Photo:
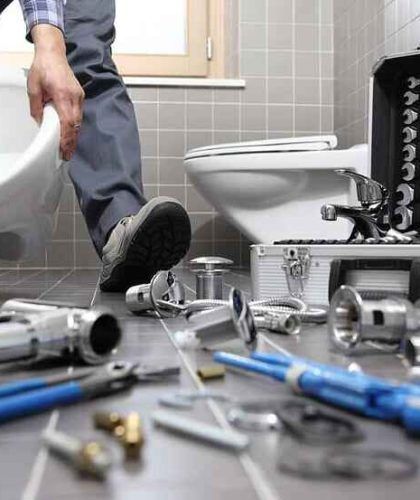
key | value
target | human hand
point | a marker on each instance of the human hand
(51, 79)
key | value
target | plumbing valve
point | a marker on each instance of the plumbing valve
(209, 272)
(221, 325)
(163, 291)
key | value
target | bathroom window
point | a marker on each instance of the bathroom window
(159, 38)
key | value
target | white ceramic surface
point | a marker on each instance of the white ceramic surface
(30, 171)
(274, 195)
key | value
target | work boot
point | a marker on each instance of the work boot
(155, 239)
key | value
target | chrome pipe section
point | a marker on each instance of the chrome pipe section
(31, 330)
(354, 322)
(222, 324)
(209, 272)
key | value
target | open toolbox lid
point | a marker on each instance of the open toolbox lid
(395, 135)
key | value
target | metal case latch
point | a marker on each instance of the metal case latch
(296, 266)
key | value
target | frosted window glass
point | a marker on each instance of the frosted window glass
(151, 27)
(143, 27)
(13, 30)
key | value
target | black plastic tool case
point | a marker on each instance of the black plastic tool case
(390, 82)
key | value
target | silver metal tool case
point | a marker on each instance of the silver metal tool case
(314, 269)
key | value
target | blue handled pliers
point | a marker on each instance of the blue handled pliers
(30, 396)
(371, 396)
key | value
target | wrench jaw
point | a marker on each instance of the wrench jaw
(409, 172)
(409, 134)
(410, 116)
(409, 152)
(413, 82)
(410, 98)
(404, 218)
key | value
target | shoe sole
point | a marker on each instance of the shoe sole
(161, 241)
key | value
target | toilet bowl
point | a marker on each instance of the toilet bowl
(30, 171)
(273, 190)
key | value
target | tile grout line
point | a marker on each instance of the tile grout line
(37, 472)
(261, 485)
(33, 485)
(95, 293)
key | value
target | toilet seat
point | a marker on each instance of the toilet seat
(311, 143)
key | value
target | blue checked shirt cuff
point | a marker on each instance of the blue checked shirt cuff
(42, 12)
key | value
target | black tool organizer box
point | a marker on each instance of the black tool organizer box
(391, 118)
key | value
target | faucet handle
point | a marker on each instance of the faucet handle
(369, 192)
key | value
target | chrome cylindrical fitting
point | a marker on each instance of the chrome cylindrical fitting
(163, 288)
(353, 322)
(209, 273)
(287, 324)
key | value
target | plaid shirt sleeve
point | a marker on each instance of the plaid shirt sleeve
(42, 12)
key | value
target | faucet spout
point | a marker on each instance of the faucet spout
(370, 218)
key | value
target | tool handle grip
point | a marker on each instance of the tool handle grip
(18, 386)
(37, 401)
(277, 372)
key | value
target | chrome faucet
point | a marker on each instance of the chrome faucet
(372, 218)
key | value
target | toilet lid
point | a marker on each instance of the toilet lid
(313, 143)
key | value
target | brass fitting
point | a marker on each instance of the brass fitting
(127, 430)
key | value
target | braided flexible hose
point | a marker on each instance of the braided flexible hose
(274, 305)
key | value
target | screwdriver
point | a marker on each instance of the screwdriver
(89, 457)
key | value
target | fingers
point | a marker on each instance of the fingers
(70, 110)
(36, 101)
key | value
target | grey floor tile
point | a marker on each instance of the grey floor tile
(173, 467)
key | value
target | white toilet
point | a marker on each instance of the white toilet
(30, 171)
(273, 190)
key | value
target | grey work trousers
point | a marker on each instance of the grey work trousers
(106, 168)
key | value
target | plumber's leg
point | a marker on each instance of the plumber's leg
(106, 168)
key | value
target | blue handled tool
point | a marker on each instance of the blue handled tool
(370, 396)
(27, 397)
(31, 384)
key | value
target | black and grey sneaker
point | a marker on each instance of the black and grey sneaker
(155, 239)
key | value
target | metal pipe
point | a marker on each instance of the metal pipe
(89, 334)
